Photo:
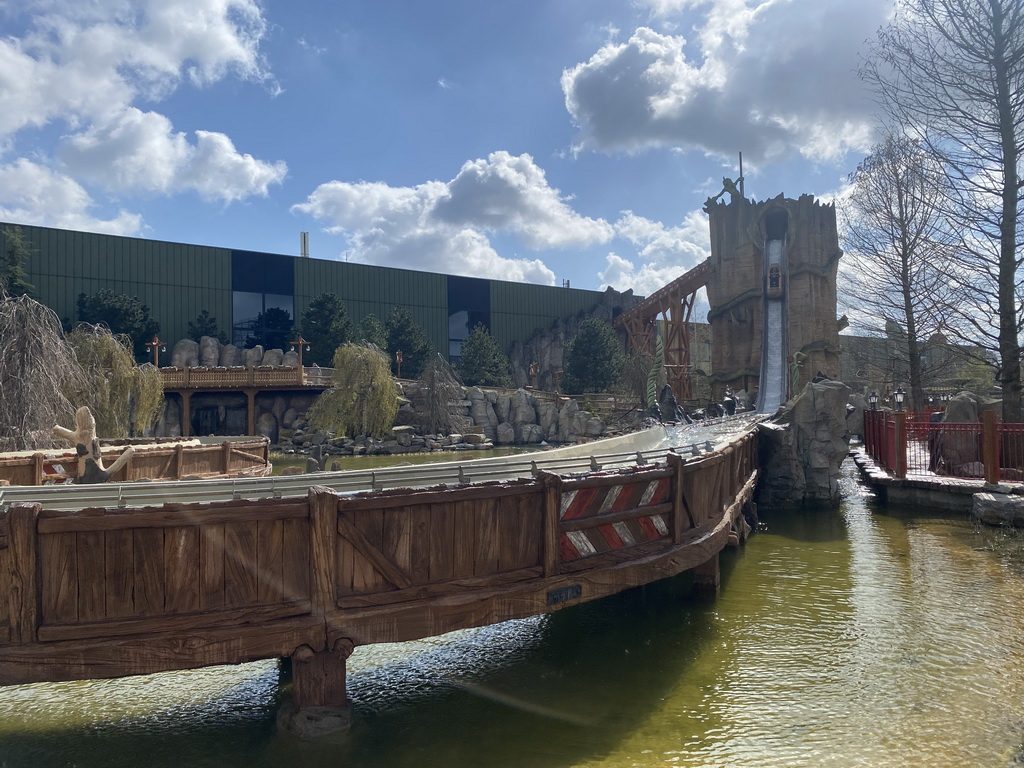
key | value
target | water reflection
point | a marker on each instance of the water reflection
(862, 637)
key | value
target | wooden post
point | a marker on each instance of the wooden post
(179, 460)
(323, 533)
(226, 455)
(319, 702)
(707, 577)
(901, 444)
(37, 463)
(22, 596)
(990, 446)
(552, 512)
(250, 411)
(186, 414)
(677, 462)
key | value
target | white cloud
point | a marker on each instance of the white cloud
(767, 77)
(86, 63)
(140, 152)
(444, 226)
(34, 194)
(664, 253)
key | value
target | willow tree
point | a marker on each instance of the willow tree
(121, 395)
(38, 368)
(443, 396)
(363, 398)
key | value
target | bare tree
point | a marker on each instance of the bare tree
(952, 72)
(896, 247)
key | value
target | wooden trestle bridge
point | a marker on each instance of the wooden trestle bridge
(113, 591)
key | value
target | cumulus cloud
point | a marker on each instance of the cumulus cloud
(444, 226)
(30, 192)
(664, 253)
(743, 83)
(85, 64)
(140, 151)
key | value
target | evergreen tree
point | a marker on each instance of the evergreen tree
(482, 361)
(206, 325)
(273, 329)
(594, 359)
(326, 326)
(372, 331)
(121, 314)
(13, 277)
(405, 334)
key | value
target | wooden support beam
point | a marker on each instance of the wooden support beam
(707, 577)
(22, 577)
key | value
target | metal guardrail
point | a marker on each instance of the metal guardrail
(454, 473)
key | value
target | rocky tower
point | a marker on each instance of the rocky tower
(737, 288)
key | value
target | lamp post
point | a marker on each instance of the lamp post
(298, 344)
(898, 397)
(156, 347)
(398, 363)
(873, 401)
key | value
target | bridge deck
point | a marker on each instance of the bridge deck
(112, 592)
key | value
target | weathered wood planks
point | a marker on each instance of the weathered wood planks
(115, 592)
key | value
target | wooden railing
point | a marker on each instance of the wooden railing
(173, 461)
(111, 592)
(247, 376)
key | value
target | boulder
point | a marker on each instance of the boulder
(230, 356)
(503, 408)
(253, 356)
(505, 434)
(209, 352)
(290, 359)
(529, 433)
(547, 416)
(266, 425)
(273, 357)
(804, 446)
(523, 411)
(185, 354)
(999, 509)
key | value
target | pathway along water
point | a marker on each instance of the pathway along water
(861, 637)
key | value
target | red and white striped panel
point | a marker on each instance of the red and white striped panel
(588, 502)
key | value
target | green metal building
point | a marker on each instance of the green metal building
(178, 281)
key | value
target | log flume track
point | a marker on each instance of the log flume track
(260, 569)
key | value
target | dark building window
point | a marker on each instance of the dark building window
(469, 303)
(263, 299)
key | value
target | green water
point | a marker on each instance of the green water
(860, 637)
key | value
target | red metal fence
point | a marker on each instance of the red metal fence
(912, 444)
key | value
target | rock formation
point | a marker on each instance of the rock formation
(803, 447)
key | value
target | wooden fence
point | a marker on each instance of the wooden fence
(105, 592)
(173, 461)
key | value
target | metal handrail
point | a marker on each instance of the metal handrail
(71, 497)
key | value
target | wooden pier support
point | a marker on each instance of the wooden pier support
(707, 577)
(319, 703)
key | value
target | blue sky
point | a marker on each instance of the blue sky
(532, 140)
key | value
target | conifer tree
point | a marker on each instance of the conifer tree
(405, 334)
(326, 326)
(482, 362)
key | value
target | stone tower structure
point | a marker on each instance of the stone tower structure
(799, 278)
